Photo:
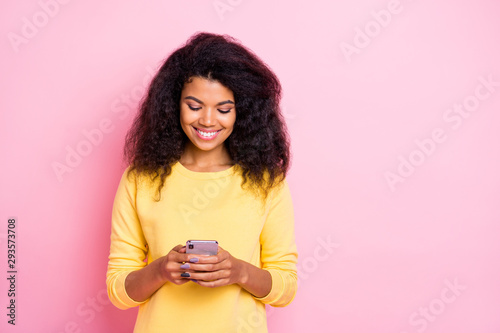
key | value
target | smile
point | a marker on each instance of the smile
(206, 135)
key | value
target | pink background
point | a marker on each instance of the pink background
(366, 84)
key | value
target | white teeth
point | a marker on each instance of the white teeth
(207, 134)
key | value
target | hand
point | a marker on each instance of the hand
(169, 267)
(215, 271)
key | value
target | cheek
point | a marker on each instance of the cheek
(185, 118)
(229, 122)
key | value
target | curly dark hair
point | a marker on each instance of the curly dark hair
(259, 143)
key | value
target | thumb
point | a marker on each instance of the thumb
(179, 248)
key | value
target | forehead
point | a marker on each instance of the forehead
(206, 90)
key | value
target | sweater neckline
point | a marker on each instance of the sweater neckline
(203, 175)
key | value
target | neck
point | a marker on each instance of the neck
(194, 156)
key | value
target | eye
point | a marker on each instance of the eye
(193, 108)
(224, 111)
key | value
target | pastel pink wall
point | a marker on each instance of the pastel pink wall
(396, 141)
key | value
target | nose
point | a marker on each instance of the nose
(207, 117)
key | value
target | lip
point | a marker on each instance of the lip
(208, 131)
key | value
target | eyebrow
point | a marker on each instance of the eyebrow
(198, 101)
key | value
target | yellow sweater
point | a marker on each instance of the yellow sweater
(201, 205)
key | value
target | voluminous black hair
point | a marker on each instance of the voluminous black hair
(259, 143)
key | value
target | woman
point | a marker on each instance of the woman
(208, 155)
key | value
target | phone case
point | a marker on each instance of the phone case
(204, 247)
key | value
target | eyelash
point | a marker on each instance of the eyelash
(196, 109)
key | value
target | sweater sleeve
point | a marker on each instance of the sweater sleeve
(278, 249)
(128, 246)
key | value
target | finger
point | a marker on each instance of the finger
(178, 254)
(222, 254)
(186, 267)
(213, 284)
(187, 276)
(204, 267)
(207, 276)
(177, 248)
(201, 259)
(181, 281)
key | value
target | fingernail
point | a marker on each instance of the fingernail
(185, 275)
(185, 266)
(193, 260)
(194, 280)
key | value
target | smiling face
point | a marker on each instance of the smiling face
(207, 113)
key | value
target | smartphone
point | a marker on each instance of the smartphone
(204, 247)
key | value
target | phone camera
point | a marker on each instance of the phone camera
(191, 246)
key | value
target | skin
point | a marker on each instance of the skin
(203, 105)
(206, 105)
